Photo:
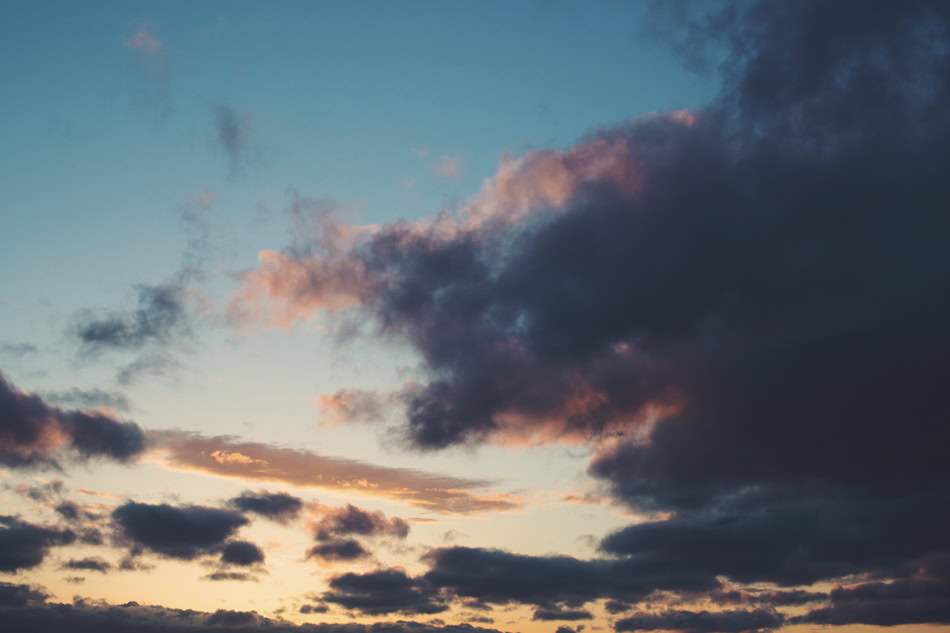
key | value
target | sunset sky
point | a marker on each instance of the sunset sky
(475, 317)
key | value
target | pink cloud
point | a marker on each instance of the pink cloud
(291, 287)
(227, 456)
(145, 42)
(450, 167)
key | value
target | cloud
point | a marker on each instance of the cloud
(646, 278)
(220, 576)
(740, 308)
(154, 67)
(101, 617)
(13, 595)
(501, 577)
(449, 167)
(241, 553)
(338, 550)
(24, 545)
(18, 350)
(229, 457)
(561, 614)
(904, 601)
(68, 510)
(185, 532)
(277, 506)
(88, 399)
(702, 621)
(791, 537)
(143, 40)
(233, 135)
(88, 564)
(350, 520)
(383, 591)
(352, 405)
(160, 313)
(34, 433)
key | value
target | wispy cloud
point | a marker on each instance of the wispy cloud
(228, 456)
(450, 167)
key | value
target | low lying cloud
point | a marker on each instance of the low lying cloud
(24, 608)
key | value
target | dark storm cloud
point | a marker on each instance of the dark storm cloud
(792, 537)
(12, 595)
(88, 564)
(500, 577)
(769, 289)
(24, 545)
(277, 506)
(185, 532)
(383, 591)
(88, 398)
(233, 136)
(350, 520)
(561, 614)
(702, 621)
(754, 329)
(913, 601)
(338, 550)
(241, 553)
(308, 609)
(34, 433)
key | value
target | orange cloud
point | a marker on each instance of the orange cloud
(227, 456)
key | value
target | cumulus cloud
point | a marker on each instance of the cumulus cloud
(331, 550)
(185, 532)
(241, 553)
(740, 308)
(349, 520)
(277, 506)
(34, 433)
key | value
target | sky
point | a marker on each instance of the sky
(475, 317)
